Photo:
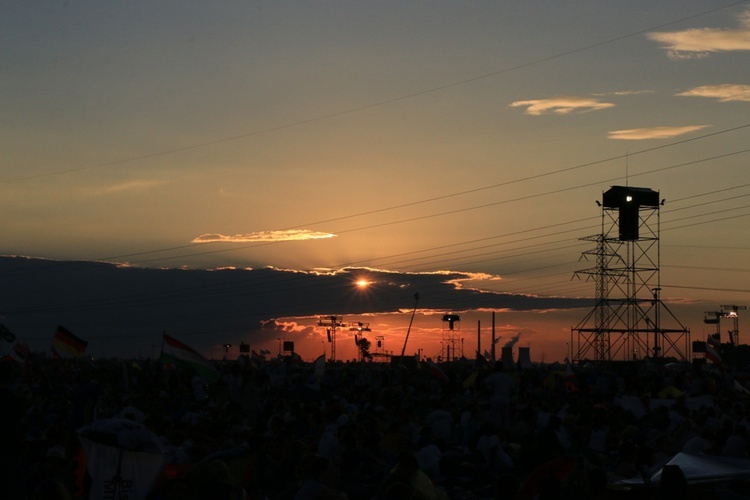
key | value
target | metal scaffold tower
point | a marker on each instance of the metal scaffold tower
(627, 321)
(452, 348)
(332, 323)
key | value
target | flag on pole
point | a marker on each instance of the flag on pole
(436, 371)
(6, 334)
(174, 351)
(257, 359)
(571, 380)
(471, 380)
(66, 342)
(19, 354)
(481, 361)
(713, 347)
(21, 351)
(319, 369)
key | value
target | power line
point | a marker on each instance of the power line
(460, 210)
(181, 294)
(442, 197)
(712, 289)
(376, 104)
(104, 303)
(707, 268)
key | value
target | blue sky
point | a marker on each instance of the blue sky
(399, 136)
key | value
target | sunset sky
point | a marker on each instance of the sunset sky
(456, 145)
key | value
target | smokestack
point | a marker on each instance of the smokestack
(524, 357)
(492, 345)
(479, 337)
(507, 357)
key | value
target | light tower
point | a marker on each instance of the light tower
(734, 333)
(362, 342)
(332, 323)
(451, 337)
(626, 321)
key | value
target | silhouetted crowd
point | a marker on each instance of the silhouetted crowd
(283, 429)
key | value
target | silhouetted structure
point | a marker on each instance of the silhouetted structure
(332, 323)
(524, 357)
(626, 321)
(730, 311)
(506, 358)
(452, 348)
(362, 342)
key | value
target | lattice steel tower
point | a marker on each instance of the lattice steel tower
(452, 348)
(627, 319)
(332, 324)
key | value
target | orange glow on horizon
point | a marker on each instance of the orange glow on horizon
(547, 335)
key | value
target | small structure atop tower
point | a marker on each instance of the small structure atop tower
(629, 201)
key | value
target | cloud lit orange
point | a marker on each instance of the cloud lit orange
(637, 134)
(561, 105)
(263, 236)
(725, 92)
(700, 42)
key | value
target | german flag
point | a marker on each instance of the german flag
(67, 342)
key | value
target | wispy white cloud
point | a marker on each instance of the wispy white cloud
(625, 92)
(700, 42)
(725, 93)
(638, 134)
(263, 236)
(128, 186)
(561, 105)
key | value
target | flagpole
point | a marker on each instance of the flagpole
(479, 336)
(416, 299)
(164, 334)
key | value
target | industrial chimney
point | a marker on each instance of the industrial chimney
(507, 357)
(524, 357)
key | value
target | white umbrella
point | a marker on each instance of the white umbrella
(701, 469)
(124, 458)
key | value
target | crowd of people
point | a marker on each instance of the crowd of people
(288, 430)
